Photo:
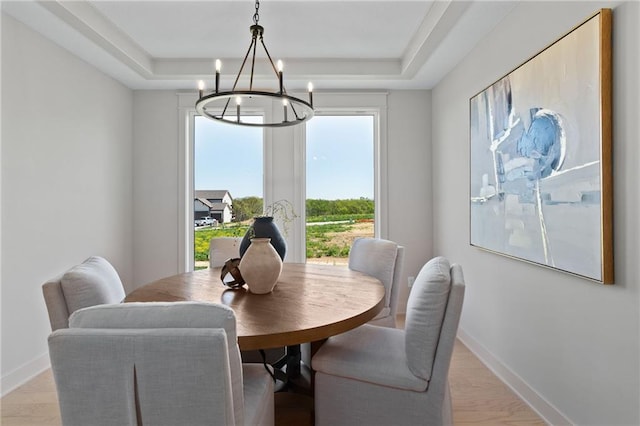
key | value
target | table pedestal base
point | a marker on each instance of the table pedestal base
(291, 373)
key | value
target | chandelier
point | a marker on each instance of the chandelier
(226, 106)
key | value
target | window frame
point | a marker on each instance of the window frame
(186, 168)
(327, 103)
(347, 112)
(353, 104)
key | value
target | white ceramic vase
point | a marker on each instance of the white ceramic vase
(260, 266)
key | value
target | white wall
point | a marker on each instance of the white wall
(568, 345)
(155, 185)
(409, 180)
(157, 179)
(66, 183)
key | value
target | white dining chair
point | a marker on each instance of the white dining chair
(93, 282)
(223, 248)
(384, 260)
(384, 376)
(157, 363)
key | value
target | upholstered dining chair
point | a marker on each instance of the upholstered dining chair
(382, 376)
(157, 363)
(384, 260)
(223, 248)
(93, 282)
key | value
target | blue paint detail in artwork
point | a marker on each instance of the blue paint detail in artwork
(500, 170)
(543, 143)
(591, 197)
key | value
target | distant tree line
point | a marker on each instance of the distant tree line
(247, 207)
(339, 207)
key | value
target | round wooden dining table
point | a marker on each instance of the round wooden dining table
(309, 303)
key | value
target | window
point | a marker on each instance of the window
(340, 185)
(227, 180)
(282, 166)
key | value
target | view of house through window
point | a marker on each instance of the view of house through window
(227, 193)
(340, 185)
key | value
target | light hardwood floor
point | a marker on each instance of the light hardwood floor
(479, 398)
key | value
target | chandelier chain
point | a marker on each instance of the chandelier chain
(256, 16)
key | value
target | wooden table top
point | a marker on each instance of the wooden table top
(309, 303)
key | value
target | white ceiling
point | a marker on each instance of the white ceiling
(349, 44)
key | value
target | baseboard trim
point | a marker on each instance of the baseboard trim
(550, 414)
(24, 373)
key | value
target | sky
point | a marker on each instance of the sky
(218, 146)
(339, 163)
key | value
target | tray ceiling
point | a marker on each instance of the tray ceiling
(350, 44)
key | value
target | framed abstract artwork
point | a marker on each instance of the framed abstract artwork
(541, 181)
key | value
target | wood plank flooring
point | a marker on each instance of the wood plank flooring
(479, 399)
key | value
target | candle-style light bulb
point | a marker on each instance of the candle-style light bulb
(310, 88)
(280, 68)
(218, 68)
(238, 102)
(284, 108)
(200, 88)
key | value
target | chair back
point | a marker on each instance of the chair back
(223, 248)
(398, 271)
(439, 383)
(93, 282)
(433, 314)
(378, 258)
(154, 315)
(134, 377)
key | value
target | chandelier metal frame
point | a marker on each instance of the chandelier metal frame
(301, 110)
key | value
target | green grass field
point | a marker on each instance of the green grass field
(326, 240)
